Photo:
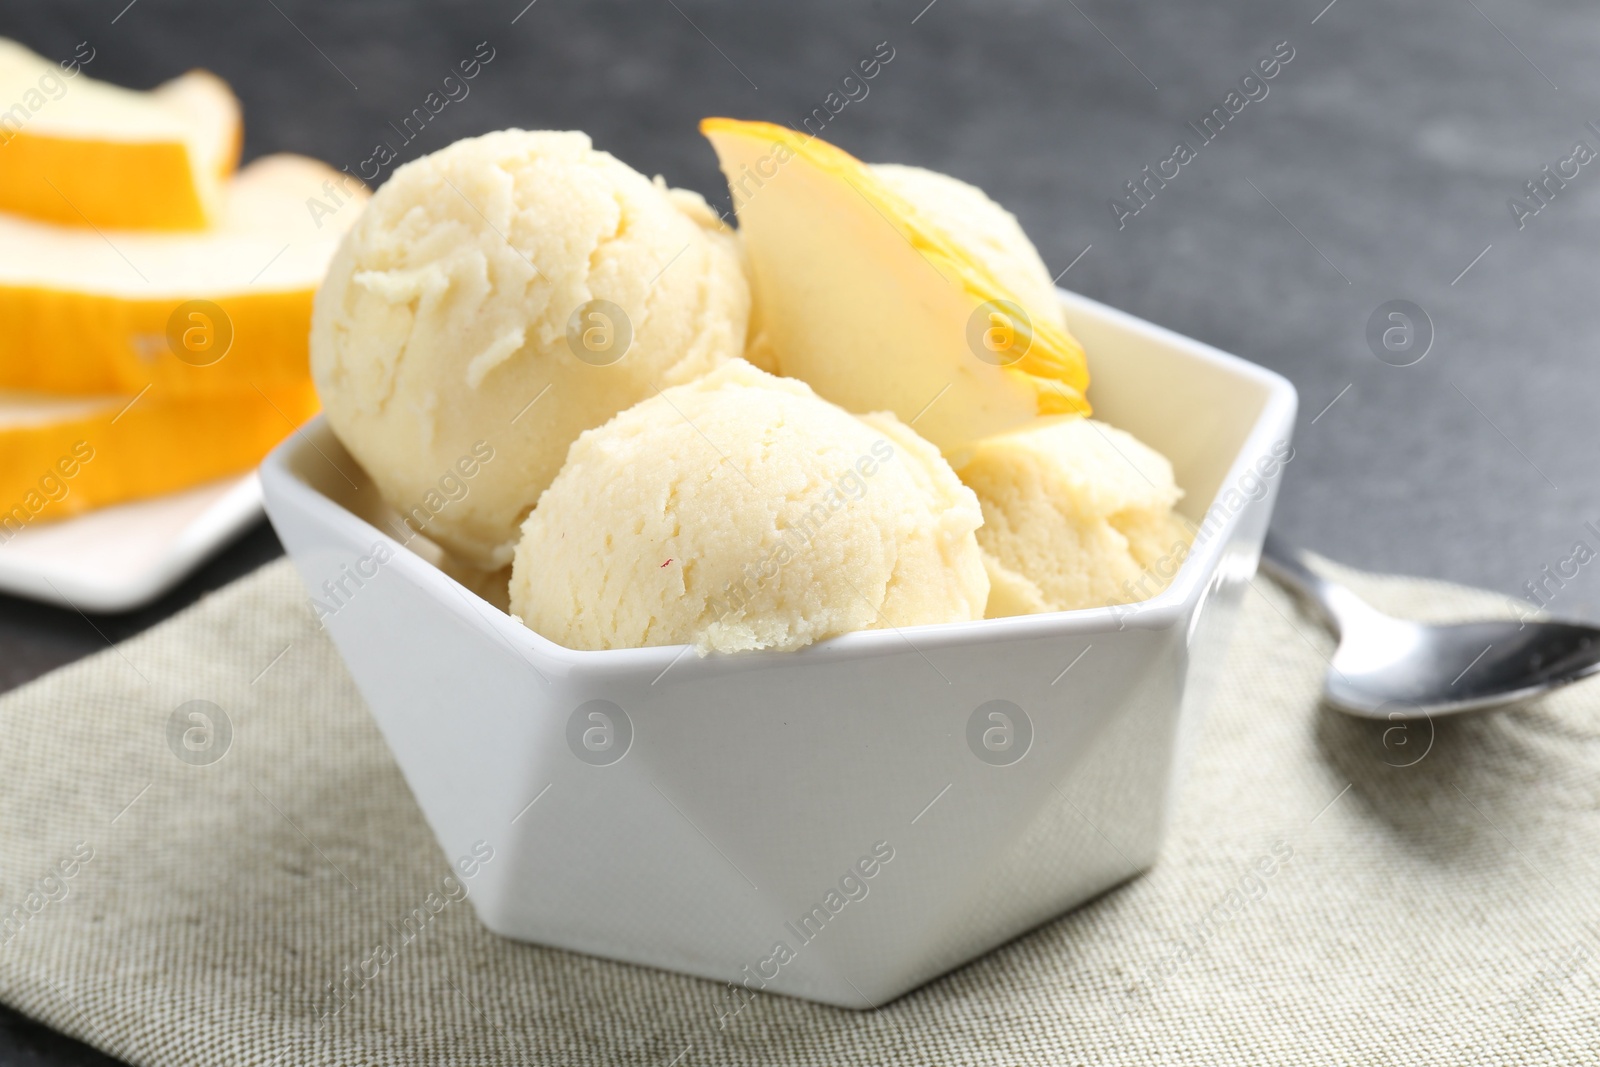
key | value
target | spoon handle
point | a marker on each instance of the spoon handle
(1286, 564)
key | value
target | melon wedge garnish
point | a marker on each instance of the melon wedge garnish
(81, 152)
(61, 456)
(89, 311)
(866, 299)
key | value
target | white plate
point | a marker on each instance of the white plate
(123, 557)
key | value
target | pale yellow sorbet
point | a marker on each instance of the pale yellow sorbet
(442, 330)
(742, 512)
(1077, 514)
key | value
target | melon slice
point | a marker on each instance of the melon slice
(875, 306)
(78, 151)
(89, 312)
(62, 456)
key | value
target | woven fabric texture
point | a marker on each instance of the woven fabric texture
(1432, 894)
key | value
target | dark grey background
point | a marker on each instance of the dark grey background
(1382, 160)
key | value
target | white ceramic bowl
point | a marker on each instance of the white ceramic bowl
(841, 823)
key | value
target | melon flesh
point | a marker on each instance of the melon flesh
(870, 303)
(87, 311)
(62, 456)
(82, 152)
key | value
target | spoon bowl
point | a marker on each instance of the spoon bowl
(1388, 668)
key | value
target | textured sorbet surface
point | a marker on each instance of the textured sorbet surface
(1077, 514)
(740, 511)
(441, 332)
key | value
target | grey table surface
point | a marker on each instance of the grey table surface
(1379, 166)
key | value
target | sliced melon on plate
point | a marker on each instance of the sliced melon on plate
(877, 307)
(84, 152)
(61, 456)
(112, 311)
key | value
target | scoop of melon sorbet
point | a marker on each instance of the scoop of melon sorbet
(1077, 514)
(496, 299)
(741, 511)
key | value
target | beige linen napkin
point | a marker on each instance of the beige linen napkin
(1331, 891)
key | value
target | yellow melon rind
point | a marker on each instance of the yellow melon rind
(106, 344)
(139, 448)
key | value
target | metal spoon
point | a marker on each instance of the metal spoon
(1388, 668)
